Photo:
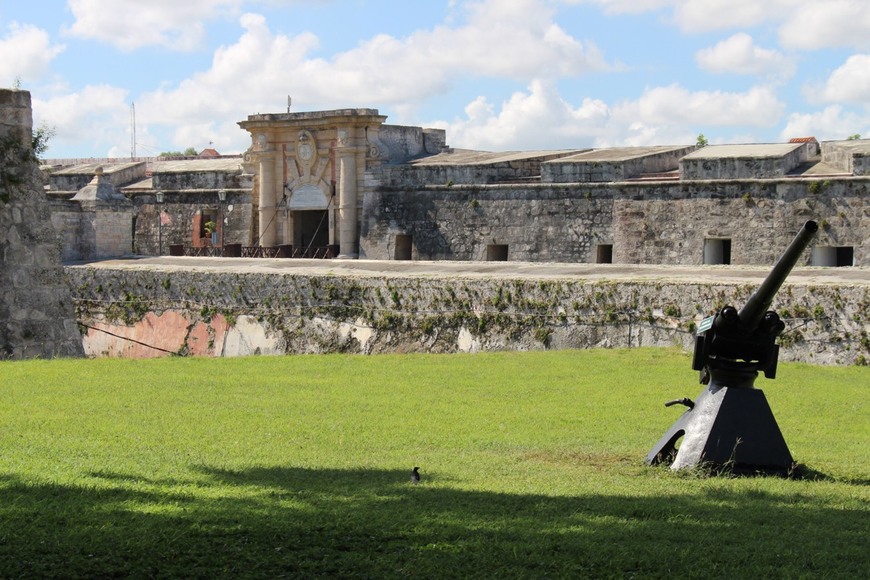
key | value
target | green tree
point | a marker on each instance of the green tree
(702, 141)
(854, 137)
(41, 136)
(189, 152)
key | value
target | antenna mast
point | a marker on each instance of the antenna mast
(132, 130)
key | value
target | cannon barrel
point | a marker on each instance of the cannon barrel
(758, 304)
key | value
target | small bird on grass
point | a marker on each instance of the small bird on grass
(415, 476)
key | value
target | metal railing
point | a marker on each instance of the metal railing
(239, 251)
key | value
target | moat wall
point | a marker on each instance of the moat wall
(212, 313)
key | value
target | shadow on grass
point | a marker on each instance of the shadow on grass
(807, 473)
(374, 523)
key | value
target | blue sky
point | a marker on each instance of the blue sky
(496, 74)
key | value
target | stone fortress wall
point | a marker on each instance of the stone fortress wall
(36, 310)
(644, 205)
(667, 223)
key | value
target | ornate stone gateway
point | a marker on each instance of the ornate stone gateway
(311, 176)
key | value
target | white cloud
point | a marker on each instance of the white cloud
(829, 124)
(537, 119)
(506, 40)
(704, 15)
(833, 23)
(541, 118)
(803, 24)
(851, 82)
(675, 115)
(132, 24)
(694, 16)
(517, 40)
(253, 75)
(26, 53)
(758, 107)
(739, 54)
(100, 112)
(626, 6)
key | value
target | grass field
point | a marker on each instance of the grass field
(532, 467)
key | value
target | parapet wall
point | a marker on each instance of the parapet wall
(500, 172)
(404, 143)
(36, 310)
(185, 179)
(842, 155)
(728, 162)
(595, 166)
(215, 313)
(72, 180)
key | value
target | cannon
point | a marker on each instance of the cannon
(730, 425)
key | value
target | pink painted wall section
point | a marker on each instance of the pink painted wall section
(155, 336)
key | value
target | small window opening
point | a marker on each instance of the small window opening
(133, 237)
(717, 251)
(403, 247)
(604, 254)
(496, 253)
(833, 256)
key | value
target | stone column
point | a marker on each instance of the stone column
(16, 118)
(268, 227)
(288, 227)
(333, 235)
(347, 197)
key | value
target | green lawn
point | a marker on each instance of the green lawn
(299, 466)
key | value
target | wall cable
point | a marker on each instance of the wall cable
(127, 338)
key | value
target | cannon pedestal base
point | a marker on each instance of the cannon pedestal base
(731, 427)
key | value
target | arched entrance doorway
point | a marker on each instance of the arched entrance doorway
(310, 224)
